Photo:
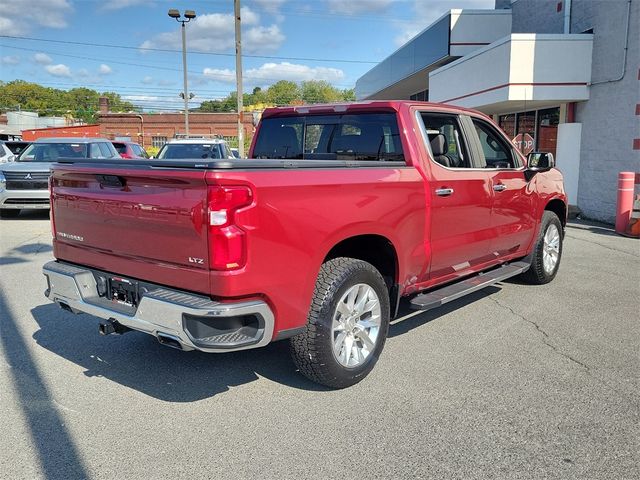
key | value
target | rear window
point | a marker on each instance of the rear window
(367, 136)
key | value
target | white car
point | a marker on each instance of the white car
(195, 148)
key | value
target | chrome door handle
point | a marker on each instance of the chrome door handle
(444, 192)
(499, 187)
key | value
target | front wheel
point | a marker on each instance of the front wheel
(347, 324)
(547, 251)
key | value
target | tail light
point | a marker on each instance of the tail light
(227, 241)
(53, 226)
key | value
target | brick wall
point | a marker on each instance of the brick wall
(169, 124)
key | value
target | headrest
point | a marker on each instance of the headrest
(439, 145)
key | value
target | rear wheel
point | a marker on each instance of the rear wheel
(547, 251)
(9, 213)
(347, 324)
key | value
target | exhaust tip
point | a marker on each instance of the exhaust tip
(169, 341)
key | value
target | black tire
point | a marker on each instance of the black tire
(537, 274)
(312, 350)
(9, 213)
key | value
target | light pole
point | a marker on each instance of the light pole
(236, 8)
(188, 16)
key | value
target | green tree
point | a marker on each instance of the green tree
(283, 92)
(319, 91)
(80, 103)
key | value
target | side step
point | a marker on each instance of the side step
(435, 298)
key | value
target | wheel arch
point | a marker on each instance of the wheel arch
(559, 207)
(377, 250)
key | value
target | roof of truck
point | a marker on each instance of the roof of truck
(360, 106)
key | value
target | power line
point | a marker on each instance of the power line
(117, 62)
(150, 49)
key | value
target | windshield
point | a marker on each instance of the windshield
(51, 152)
(191, 150)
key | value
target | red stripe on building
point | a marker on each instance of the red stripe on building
(636, 143)
(468, 43)
(504, 85)
(637, 108)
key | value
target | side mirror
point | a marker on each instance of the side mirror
(540, 161)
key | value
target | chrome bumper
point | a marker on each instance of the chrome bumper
(24, 199)
(162, 312)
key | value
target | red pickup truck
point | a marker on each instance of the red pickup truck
(341, 211)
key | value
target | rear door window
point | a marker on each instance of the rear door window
(367, 136)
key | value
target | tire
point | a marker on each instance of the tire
(7, 213)
(334, 323)
(540, 272)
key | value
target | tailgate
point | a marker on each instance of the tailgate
(143, 222)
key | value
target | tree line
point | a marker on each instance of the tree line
(283, 92)
(78, 103)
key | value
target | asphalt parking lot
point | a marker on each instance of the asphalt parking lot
(512, 382)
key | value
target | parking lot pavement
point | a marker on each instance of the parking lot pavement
(513, 382)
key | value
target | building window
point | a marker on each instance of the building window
(422, 96)
(158, 142)
(542, 125)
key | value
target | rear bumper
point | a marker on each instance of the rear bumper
(24, 199)
(195, 322)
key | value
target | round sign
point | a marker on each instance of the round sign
(524, 143)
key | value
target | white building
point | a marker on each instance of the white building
(564, 72)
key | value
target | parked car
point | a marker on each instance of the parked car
(24, 183)
(235, 152)
(6, 155)
(343, 211)
(192, 148)
(130, 150)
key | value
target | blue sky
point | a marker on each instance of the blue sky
(288, 39)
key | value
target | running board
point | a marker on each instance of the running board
(435, 298)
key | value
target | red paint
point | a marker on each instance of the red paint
(637, 108)
(559, 7)
(571, 112)
(149, 228)
(626, 182)
(636, 143)
(70, 131)
(504, 85)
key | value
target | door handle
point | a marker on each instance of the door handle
(500, 187)
(444, 192)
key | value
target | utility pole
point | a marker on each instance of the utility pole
(236, 6)
(188, 16)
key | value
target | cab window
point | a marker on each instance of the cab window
(495, 150)
(446, 140)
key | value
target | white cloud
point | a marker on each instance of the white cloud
(270, 73)
(141, 98)
(104, 69)
(120, 4)
(10, 60)
(59, 70)
(215, 32)
(148, 80)
(42, 59)
(423, 17)
(19, 17)
(352, 7)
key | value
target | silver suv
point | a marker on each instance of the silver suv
(24, 183)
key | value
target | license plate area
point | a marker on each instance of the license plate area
(123, 291)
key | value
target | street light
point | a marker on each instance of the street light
(188, 16)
